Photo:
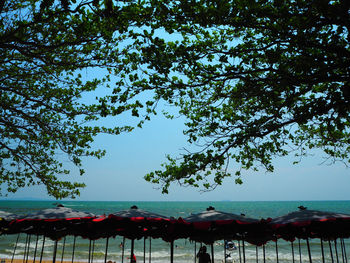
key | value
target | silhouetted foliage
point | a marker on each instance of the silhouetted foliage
(44, 46)
(254, 80)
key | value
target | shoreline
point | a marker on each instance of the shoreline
(9, 260)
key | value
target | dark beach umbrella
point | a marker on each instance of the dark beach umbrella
(59, 213)
(5, 227)
(5, 220)
(307, 224)
(136, 223)
(310, 224)
(211, 225)
(136, 214)
(54, 223)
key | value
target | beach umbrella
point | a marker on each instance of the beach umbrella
(135, 223)
(59, 213)
(311, 223)
(307, 224)
(5, 227)
(5, 220)
(54, 223)
(211, 225)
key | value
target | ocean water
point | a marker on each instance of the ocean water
(157, 250)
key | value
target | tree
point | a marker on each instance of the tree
(44, 47)
(255, 80)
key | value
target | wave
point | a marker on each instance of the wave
(181, 254)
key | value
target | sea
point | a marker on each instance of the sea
(157, 250)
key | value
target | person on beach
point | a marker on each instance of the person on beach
(132, 259)
(203, 256)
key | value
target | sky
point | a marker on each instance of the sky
(119, 175)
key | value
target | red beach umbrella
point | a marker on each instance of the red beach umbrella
(136, 214)
(54, 222)
(5, 219)
(211, 225)
(135, 223)
(59, 213)
(312, 223)
(307, 224)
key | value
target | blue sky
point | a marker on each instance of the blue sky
(119, 175)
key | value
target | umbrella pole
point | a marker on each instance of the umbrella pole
(150, 241)
(346, 258)
(73, 248)
(299, 250)
(308, 250)
(106, 249)
(93, 251)
(195, 251)
(63, 246)
(264, 253)
(14, 250)
(171, 251)
(42, 249)
(243, 249)
(336, 250)
(123, 249)
(239, 251)
(132, 250)
(30, 236)
(144, 250)
(36, 247)
(342, 249)
(256, 254)
(89, 251)
(54, 252)
(224, 251)
(276, 251)
(322, 250)
(212, 252)
(25, 248)
(330, 250)
(292, 245)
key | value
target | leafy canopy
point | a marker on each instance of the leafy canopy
(255, 80)
(44, 46)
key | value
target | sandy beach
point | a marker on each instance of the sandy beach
(8, 260)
